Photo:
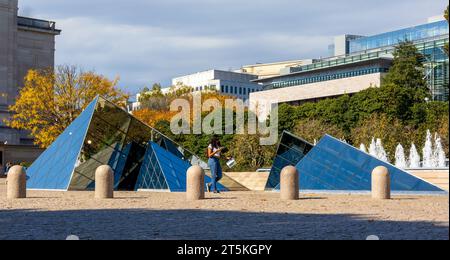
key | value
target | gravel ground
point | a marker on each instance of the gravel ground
(234, 215)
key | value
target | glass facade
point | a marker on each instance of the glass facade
(325, 76)
(105, 134)
(429, 39)
(291, 150)
(436, 65)
(333, 165)
(416, 33)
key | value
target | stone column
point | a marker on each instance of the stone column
(195, 183)
(381, 183)
(289, 184)
(17, 183)
(104, 182)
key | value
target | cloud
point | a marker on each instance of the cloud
(147, 41)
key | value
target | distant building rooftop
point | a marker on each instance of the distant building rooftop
(33, 23)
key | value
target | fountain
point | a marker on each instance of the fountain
(363, 148)
(376, 149)
(439, 153)
(373, 148)
(414, 157)
(434, 156)
(400, 158)
(428, 153)
(382, 155)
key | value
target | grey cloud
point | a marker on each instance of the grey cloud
(147, 41)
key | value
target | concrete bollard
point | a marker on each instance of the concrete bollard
(104, 182)
(16, 187)
(195, 184)
(381, 183)
(289, 184)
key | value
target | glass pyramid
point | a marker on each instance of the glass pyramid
(290, 151)
(104, 134)
(54, 168)
(333, 165)
(164, 170)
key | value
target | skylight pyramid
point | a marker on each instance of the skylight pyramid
(54, 168)
(106, 134)
(164, 170)
(333, 165)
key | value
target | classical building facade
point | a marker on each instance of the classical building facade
(25, 43)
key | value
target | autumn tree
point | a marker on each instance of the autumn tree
(313, 130)
(249, 154)
(51, 99)
(390, 131)
(152, 117)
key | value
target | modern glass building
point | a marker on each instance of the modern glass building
(414, 34)
(333, 165)
(364, 61)
(104, 134)
(337, 69)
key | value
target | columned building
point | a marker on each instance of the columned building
(25, 43)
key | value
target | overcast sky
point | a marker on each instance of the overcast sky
(147, 41)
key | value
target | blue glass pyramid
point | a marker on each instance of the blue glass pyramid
(164, 170)
(105, 134)
(333, 165)
(291, 150)
(54, 168)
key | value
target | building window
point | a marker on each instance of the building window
(222, 88)
(245, 91)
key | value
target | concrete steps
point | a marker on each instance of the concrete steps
(439, 178)
(254, 181)
(229, 183)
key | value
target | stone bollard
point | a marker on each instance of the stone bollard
(195, 184)
(16, 187)
(381, 183)
(289, 184)
(104, 182)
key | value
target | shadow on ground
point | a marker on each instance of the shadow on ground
(204, 225)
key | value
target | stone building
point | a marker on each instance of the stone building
(25, 43)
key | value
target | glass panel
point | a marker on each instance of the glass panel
(290, 151)
(53, 169)
(336, 166)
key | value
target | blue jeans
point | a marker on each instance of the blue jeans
(216, 172)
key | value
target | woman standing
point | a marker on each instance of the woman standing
(214, 155)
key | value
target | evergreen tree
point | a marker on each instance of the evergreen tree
(405, 84)
(407, 70)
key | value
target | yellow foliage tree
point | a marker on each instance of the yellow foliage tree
(152, 117)
(51, 100)
(156, 107)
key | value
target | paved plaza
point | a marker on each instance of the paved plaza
(233, 215)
